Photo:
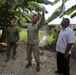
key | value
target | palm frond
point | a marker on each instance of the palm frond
(54, 15)
(69, 11)
(56, 1)
(73, 15)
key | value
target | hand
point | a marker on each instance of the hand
(17, 42)
(65, 56)
(43, 10)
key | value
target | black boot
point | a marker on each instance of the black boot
(28, 65)
(38, 67)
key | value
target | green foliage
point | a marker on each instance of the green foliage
(56, 1)
(20, 1)
(23, 35)
(50, 39)
(70, 11)
(73, 15)
(25, 3)
(47, 2)
(53, 36)
(35, 6)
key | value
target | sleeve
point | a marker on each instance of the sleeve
(71, 37)
(22, 25)
(41, 23)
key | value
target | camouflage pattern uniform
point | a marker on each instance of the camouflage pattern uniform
(12, 38)
(33, 40)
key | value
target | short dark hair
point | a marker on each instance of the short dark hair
(66, 20)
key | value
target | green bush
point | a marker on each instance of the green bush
(52, 38)
(23, 35)
(49, 39)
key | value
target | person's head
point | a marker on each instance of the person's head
(35, 18)
(65, 22)
(12, 22)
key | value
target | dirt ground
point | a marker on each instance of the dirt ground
(17, 67)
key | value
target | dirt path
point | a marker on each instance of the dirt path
(17, 67)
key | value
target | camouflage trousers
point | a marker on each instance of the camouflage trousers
(10, 46)
(35, 49)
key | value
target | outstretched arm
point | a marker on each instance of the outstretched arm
(22, 25)
(42, 21)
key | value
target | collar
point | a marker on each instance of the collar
(66, 28)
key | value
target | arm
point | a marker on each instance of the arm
(42, 19)
(69, 46)
(41, 22)
(22, 25)
(70, 42)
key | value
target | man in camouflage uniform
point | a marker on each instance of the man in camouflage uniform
(33, 40)
(12, 39)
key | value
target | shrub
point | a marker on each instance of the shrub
(52, 38)
(23, 35)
